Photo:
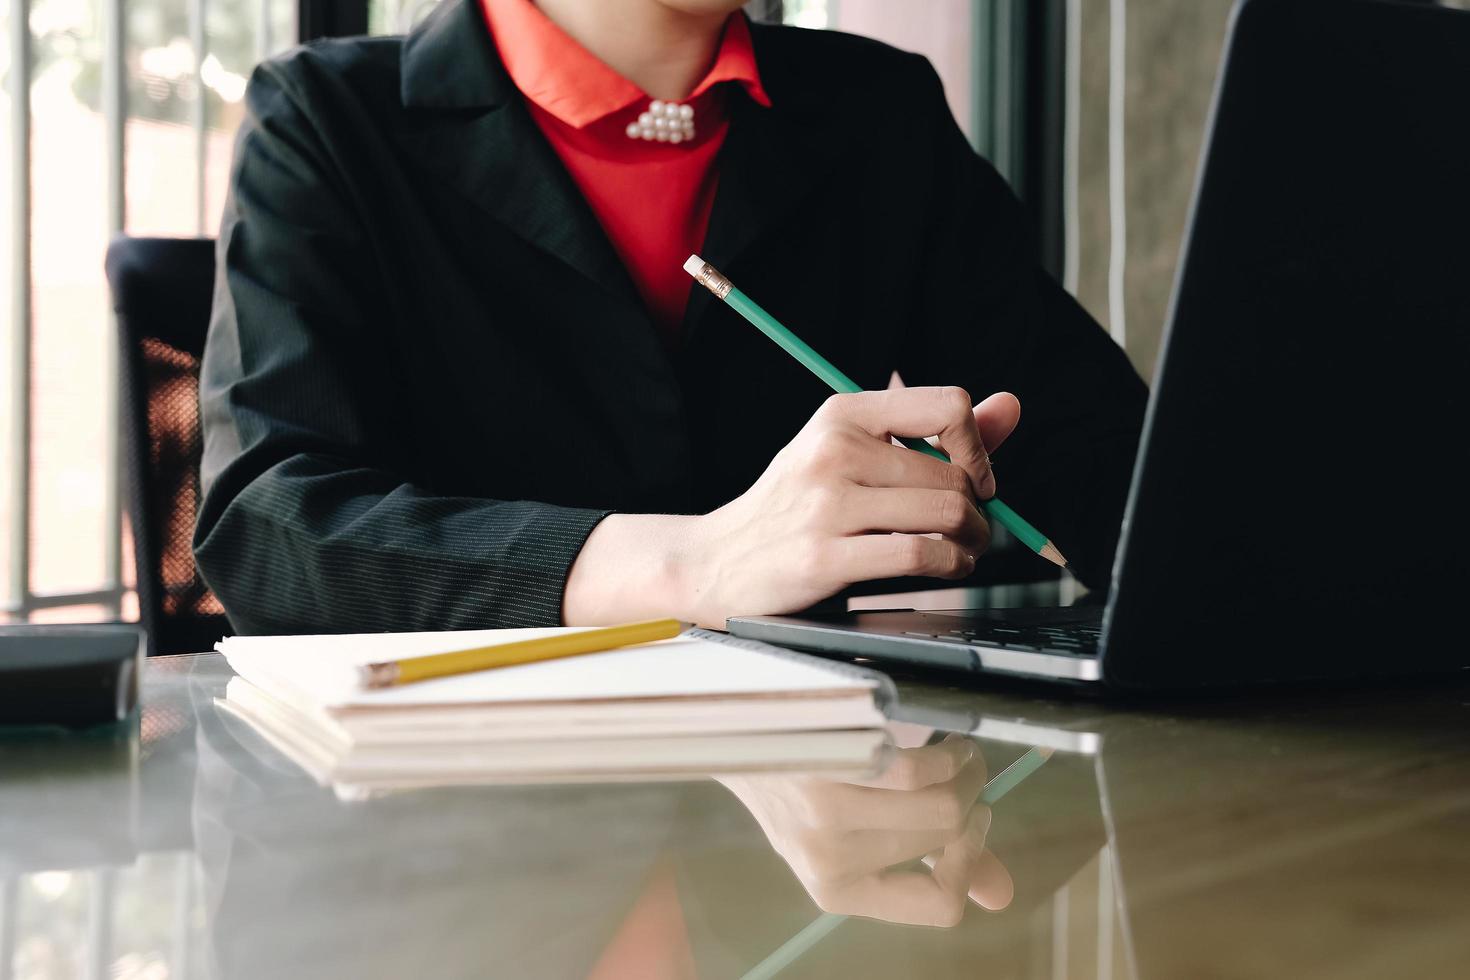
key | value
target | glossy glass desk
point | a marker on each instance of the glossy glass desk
(1290, 835)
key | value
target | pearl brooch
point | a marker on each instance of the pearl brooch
(664, 122)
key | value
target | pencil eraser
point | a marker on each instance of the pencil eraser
(694, 265)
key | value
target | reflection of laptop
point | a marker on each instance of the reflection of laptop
(1293, 513)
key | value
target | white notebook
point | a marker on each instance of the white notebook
(696, 681)
(367, 770)
(700, 702)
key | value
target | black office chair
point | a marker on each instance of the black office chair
(161, 291)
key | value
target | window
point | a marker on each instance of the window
(397, 16)
(1140, 76)
(128, 126)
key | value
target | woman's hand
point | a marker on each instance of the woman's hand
(852, 845)
(842, 504)
(839, 504)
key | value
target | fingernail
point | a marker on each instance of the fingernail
(967, 746)
(987, 485)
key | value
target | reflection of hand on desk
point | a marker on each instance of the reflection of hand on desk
(847, 842)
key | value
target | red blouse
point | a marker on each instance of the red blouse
(653, 199)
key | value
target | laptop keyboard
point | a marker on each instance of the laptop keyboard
(1074, 639)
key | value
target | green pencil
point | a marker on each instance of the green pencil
(1011, 776)
(709, 277)
(788, 952)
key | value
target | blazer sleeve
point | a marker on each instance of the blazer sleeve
(993, 320)
(311, 519)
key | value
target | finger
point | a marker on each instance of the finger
(970, 781)
(878, 463)
(972, 840)
(909, 734)
(913, 511)
(944, 807)
(920, 412)
(991, 886)
(876, 556)
(915, 768)
(863, 852)
(957, 866)
(913, 898)
(977, 827)
(995, 419)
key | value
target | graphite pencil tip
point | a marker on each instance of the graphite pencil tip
(1050, 553)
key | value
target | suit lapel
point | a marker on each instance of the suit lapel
(479, 138)
(466, 123)
(770, 163)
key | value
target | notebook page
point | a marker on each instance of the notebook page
(321, 669)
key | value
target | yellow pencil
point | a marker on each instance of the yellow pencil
(393, 672)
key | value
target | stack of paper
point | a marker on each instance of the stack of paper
(699, 703)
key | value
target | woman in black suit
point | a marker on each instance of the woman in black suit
(452, 380)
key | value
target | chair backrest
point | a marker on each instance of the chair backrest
(161, 291)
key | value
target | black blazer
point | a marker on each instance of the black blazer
(428, 376)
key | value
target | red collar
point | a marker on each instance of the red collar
(569, 82)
